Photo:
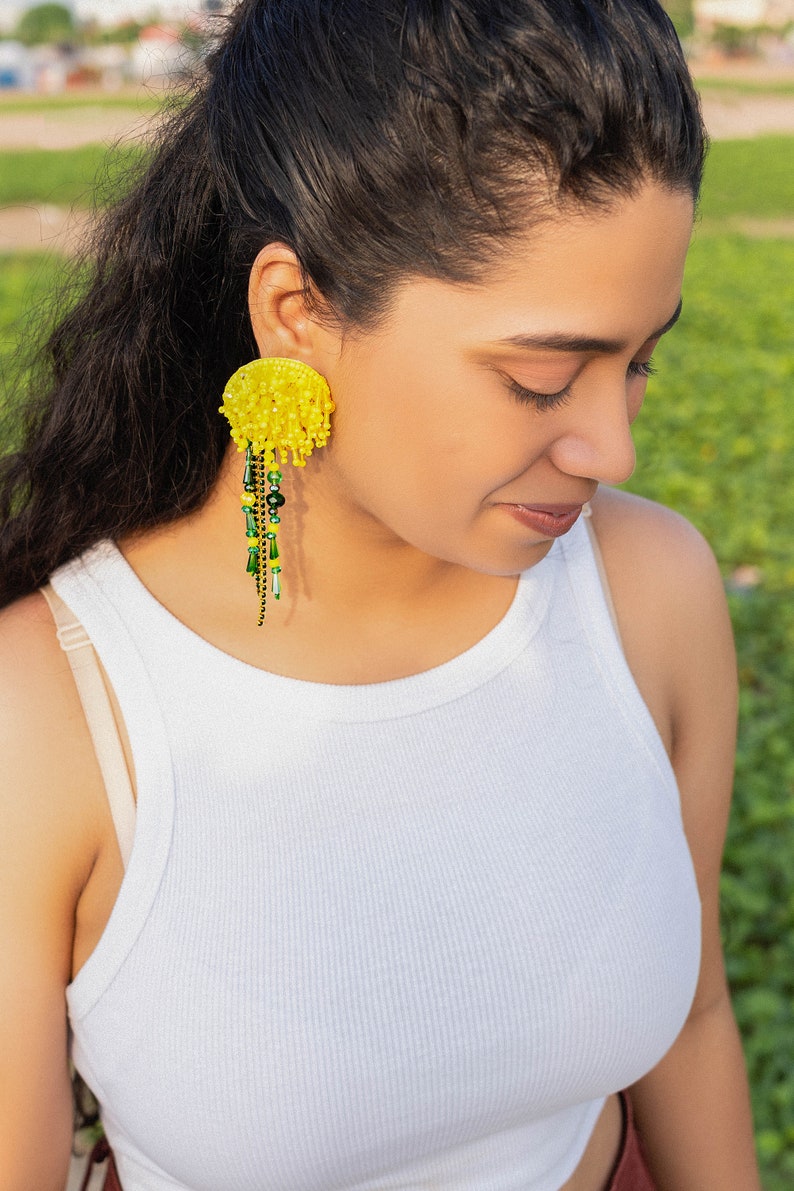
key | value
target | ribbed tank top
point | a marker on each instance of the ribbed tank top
(402, 935)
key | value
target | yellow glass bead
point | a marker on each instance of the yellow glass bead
(248, 500)
(278, 404)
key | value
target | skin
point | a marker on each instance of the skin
(399, 553)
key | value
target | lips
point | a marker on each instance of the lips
(550, 520)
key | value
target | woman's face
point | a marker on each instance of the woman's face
(471, 403)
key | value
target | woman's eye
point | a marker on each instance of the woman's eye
(540, 400)
(642, 368)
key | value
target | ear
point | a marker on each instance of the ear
(280, 318)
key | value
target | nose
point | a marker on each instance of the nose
(595, 440)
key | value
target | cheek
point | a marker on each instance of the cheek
(400, 453)
(425, 429)
(423, 440)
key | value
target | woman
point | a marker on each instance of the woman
(425, 868)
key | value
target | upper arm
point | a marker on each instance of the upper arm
(704, 745)
(674, 621)
(47, 848)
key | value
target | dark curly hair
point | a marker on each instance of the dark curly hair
(378, 139)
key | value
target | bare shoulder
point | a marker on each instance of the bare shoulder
(34, 690)
(44, 745)
(657, 562)
(670, 604)
(48, 844)
(656, 543)
(29, 651)
(39, 706)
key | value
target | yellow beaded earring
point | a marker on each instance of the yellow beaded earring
(273, 405)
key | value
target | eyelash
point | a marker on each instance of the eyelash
(544, 401)
(642, 368)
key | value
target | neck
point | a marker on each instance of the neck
(358, 604)
(335, 555)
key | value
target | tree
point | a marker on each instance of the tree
(46, 23)
(681, 13)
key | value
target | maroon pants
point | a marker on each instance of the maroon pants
(630, 1173)
(100, 1152)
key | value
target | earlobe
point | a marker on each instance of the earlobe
(277, 304)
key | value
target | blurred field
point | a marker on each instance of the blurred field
(139, 99)
(741, 87)
(751, 178)
(27, 281)
(65, 177)
(716, 441)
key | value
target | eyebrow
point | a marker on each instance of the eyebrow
(560, 341)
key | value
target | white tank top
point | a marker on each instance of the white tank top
(404, 935)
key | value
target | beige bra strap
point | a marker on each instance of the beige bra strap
(602, 572)
(99, 716)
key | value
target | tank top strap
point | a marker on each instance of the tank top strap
(598, 558)
(100, 718)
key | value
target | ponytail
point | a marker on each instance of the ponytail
(128, 436)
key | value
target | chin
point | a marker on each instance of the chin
(501, 564)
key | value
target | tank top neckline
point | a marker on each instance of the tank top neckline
(150, 620)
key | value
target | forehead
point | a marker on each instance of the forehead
(612, 274)
(649, 229)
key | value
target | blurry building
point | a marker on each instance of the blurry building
(159, 54)
(168, 12)
(16, 66)
(743, 14)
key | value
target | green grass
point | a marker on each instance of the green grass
(741, 87)
(65, 176)
(753, 178)
(716, 441)
(139, 101)
(26, 282)
(757, 884)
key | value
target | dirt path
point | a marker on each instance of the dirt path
(736, 115)
(727, 114)
(32, 227)
(71, 127)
